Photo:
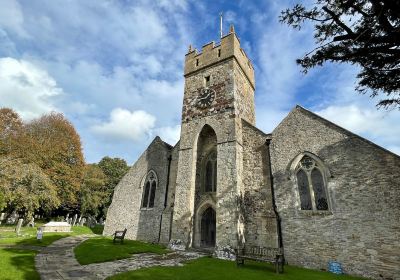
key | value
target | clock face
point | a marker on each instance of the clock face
(205, 98)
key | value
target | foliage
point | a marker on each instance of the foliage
(114, 169)
(210, 269)
(103, 249)
(55, 146)
(10, 126)
(93, 190)
(25, 188)
(361, 32)
(18, 264)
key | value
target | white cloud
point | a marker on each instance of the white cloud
(125, 125)
(26, 88)
(378, 126)
(169, 134)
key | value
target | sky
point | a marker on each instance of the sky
(115, 69)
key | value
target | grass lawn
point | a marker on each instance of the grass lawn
(17, 264)
(102, 249)
(20, 263)
(28, 235)
(215, 269)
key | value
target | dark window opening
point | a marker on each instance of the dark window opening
(317, 181)
(207, 81)
(304, 191)
(197, 62)
(152, 194)
(146, 195)
(219, 53)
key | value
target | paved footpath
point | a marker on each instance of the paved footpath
(57, 261)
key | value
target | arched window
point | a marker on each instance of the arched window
(210, 178)
(149, 190)
(311, 185)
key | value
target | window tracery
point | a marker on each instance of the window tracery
(149, 190)
(210, 178)
(311, 185)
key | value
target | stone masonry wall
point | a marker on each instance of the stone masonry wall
(362, 227)
(125, 210)
(260, 219)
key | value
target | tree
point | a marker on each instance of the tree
(25, 188)
(10, 127)
(361, 32)
(93, 194)
(114, 169)
(52, 143)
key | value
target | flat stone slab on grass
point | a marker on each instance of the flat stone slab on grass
(56, 227)
(57, 261)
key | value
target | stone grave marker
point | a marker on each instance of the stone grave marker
(74, 220)
(83, 220)
(31, 223)
(18, 228)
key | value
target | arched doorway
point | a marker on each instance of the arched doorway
(208, 228)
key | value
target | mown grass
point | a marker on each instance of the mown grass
(17, 263)
(28, 235)
(96, 250)
(215, 269)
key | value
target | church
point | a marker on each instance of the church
(315, 189)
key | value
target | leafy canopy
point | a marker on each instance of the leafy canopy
(361, 32)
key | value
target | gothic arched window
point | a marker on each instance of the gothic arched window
(311, 185)
(210, 178)
(149, 190)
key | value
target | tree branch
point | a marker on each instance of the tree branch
(338, 21)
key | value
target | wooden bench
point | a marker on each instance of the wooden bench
(261, 254)
(119, 235)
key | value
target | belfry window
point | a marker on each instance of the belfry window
(311, 185)
(210, 178)
(149, 190)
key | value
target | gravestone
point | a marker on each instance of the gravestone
(67, 218)
(2, 217)
(74, 220)
(83, 220)
(18, 228)
(31, 223)
(12, 219)
(70, 221)
(79, 220)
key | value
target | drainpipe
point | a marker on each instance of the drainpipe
(166, 196)
(278, 219)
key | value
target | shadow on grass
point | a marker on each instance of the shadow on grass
(18, 264)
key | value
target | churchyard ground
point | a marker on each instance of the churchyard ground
(17, 253)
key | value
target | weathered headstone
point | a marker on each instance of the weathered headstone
(70, 221)
(74, 220)
(2, 217)
(31, 223)
(18, 228)
(83, 220)
(67, 218)
(101, 222)
(79, 219)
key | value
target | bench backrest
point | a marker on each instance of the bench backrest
(120, 234)
(262, 251)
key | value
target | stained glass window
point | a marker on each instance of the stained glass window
(311, 185)
(304, 190)
(317, 180)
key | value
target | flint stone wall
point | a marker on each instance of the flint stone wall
(125, 210)
(361, 230)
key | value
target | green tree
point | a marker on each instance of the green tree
(93, 194)
(114, 169)
(10, 128)
(25, 188)
(53, 144)
(361, 32)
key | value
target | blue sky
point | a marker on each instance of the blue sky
(115, 69)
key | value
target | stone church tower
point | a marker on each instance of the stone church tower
(310, 187)
(218, 95)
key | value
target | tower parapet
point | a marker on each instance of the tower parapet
(212, 54)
